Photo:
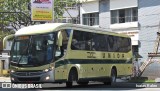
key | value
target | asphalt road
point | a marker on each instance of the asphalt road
(121, 85)
(92, 86)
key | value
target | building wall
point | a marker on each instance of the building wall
(149, 18)
(104, 8)
(119, 4)
(88, 7)
(104, 14)
(129, 28)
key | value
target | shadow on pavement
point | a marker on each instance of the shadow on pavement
(117, 86)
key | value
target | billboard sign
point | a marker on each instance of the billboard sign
(42, 10)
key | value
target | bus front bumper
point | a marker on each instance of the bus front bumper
(29, 77)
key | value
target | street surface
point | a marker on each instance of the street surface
(121, 85)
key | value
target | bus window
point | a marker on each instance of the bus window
(62, 42)
(125, 45)
(66, 35)
(100, 42)
(68, 32)
(82, 40)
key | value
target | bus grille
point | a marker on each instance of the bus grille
(29, 73)
(21, 73)
(35, 73)
(29, 79)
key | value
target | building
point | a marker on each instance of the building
(89, 12)
(70, 14)
(148, 19)
(137, 18)
(113, 15)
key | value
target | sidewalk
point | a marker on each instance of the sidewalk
(5, 79)
(157, 80)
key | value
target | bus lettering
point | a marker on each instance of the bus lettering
(118, 55)
(91, 55)
(103, 55)
(113, 55)
(109, 55)
(122, 55)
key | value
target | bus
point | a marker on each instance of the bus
(67, 53)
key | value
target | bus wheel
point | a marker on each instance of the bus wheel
(72, 77)
(83, 83)
(107, 83)
(113, 76)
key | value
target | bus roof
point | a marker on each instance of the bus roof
(38, 29)
(52, 27)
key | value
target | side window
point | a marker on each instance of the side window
(89, 41)
(81, 40)
(62, 42)
(119, 44)
(66, 35)
(111, 41)
(125, 45)
(100, 42)
(78, 41)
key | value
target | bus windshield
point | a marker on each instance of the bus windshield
(35, 50)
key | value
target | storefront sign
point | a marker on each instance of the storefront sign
(42, 10)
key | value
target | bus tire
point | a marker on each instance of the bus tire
(83, 83)
(113, 76)
(73, 76)
(107, 83)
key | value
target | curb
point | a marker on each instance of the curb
(157, 80)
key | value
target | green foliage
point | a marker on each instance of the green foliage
(3, 34)
(15, 13)
(59, 6)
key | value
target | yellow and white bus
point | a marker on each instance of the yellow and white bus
(60, 52)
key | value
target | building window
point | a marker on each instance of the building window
(135, 14)
(124, 15)
(91, 19)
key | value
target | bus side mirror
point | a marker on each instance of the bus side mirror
(59, 39)
(5, 39)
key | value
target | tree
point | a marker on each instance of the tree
(60, 6)
(15, 14)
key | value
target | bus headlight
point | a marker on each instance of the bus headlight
(12, 79)
(46, 70)
(49, 69)
(12, 71)
(47, 78)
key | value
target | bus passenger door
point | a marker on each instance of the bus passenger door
(62, 43)
(59, 70)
